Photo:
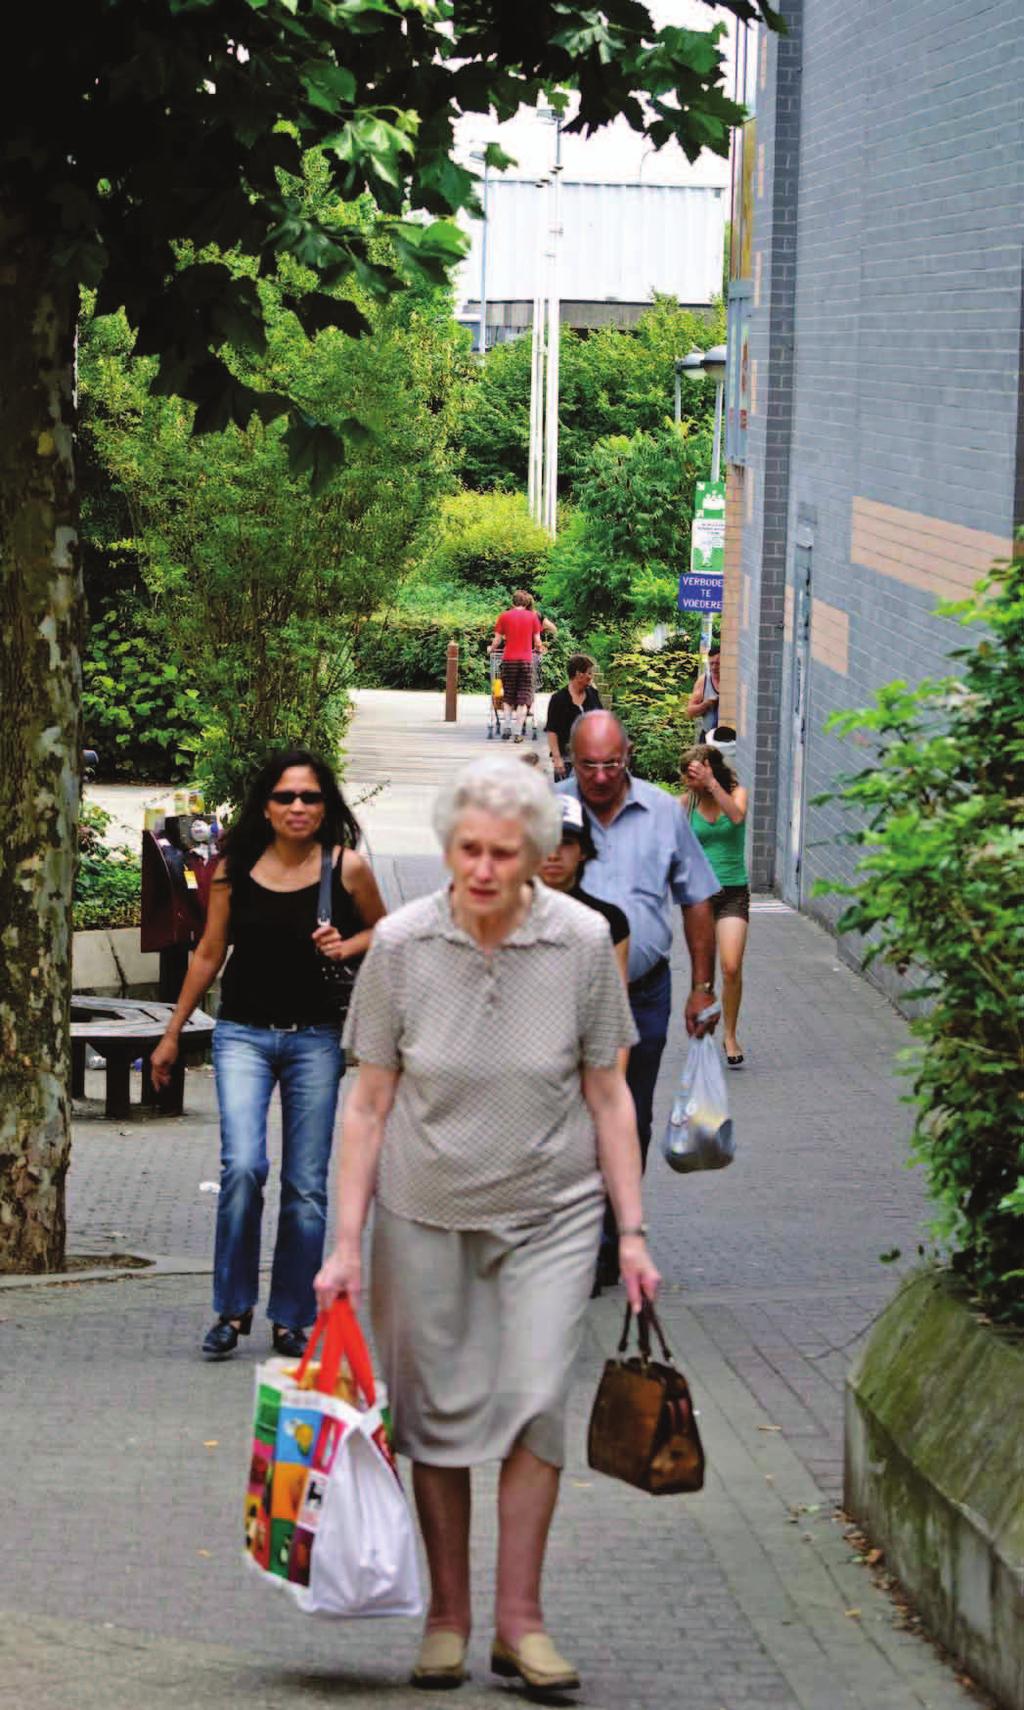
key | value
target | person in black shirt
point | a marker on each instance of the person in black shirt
(279, 1024)
(564, 708)
(563, 871)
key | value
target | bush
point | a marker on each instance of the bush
(140, 712)
(941, 888)
(649, 692)
(408, 651)
(489, 540)
(108, 882)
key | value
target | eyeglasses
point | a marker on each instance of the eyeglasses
(592, 766)
(308, 798)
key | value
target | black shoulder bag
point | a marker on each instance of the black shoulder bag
(338, 976)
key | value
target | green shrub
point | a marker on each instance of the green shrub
(108, 882)
(941, 890)
(649, 692)
(488, 540)
(140, 712)
(408, 651)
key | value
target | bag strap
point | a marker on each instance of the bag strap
(338, 1329)
(323, 901)
(645, 1319)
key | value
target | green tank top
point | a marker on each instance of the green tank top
(724, 844)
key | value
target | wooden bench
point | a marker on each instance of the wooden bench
(121, 1029)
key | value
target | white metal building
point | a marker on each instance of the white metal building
(621, 244)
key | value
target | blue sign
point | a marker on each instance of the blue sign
(699, 593)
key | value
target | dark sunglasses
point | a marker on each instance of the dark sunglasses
(308, 798)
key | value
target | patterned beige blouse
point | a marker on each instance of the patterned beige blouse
(489, 1128)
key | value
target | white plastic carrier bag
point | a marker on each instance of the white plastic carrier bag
(325, 1514)
(698, 1134)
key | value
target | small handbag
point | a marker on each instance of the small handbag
(642, 1425)
(338, 976)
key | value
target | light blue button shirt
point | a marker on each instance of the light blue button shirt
(646, 858)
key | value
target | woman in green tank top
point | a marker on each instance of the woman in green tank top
(716, 805)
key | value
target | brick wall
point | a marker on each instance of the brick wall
(888, 342)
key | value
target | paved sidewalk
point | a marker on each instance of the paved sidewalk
(122, 1582)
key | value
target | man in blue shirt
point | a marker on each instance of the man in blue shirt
(647, 858)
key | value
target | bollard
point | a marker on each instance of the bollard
(451, 684)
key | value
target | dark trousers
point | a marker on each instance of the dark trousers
(650, 999)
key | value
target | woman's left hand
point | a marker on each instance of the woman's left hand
(330, 943)
(638, 1270)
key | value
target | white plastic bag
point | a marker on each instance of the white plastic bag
(698, 1134)
(364, 1552)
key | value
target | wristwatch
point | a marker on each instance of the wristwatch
(641, 1229)
(704, 986)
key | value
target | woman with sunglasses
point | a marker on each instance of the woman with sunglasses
(279, 1024)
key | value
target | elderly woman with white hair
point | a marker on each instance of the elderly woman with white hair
(488, 1120)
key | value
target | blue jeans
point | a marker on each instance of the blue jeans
(652, 1007)
(307, 1066)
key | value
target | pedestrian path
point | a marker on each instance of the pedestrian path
(122, 1581)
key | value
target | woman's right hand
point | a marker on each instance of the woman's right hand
(163, 1059)
(340, 1273)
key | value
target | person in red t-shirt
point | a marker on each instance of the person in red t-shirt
(519, 628)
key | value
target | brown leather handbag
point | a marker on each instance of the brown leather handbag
(642, 1425)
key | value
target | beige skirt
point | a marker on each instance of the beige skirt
(477, 1332)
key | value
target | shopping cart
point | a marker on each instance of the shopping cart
(499, 717)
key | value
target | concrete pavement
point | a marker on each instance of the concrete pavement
(122, 1581)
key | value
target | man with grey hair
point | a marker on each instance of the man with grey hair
(647, 858)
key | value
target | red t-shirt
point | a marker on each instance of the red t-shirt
(519, 627)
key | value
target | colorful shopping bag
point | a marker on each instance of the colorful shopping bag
(325, 1514)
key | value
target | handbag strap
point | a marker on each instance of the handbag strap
(339, 1330)
(323, 901)
(645, 1319)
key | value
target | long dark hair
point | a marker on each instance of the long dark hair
(250, 833)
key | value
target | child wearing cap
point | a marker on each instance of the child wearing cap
(563, 871)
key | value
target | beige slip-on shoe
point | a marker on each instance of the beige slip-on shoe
(535, 1661)
(441, 1663)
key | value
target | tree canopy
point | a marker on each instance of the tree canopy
(136, 135)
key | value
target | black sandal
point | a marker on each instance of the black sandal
(221, 1339)
(290, 1343)
(735, 1062)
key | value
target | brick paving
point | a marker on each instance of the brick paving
(122, 1582)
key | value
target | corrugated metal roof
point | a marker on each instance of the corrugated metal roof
(620, 242)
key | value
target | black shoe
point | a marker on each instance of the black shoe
(290, 1343)
(221, 1339)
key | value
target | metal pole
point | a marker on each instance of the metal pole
(554, 318)
(716, 472)
(536, 409)
(483, 270)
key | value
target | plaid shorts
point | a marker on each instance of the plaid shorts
(517, 682)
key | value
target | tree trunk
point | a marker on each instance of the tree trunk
(40, 739)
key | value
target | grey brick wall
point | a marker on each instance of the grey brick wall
(769, 435)
(892, 217)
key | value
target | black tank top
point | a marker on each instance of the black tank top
(273, 973)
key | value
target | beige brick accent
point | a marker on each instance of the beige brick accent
(789, 611)
(745, 620)
(737, 483)
(741, 727)
(940, 558)
(749, 485)
(830, 636)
